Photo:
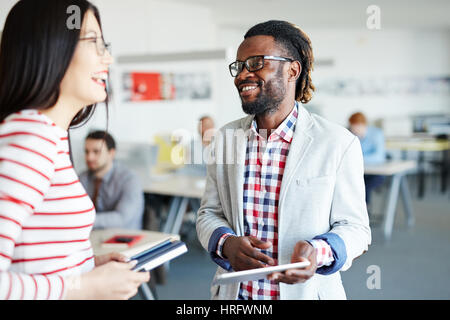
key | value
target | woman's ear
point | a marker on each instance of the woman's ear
(295, 69)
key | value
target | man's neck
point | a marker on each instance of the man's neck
(271, 121)
(102, 172)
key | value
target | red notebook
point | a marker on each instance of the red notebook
(125, 240)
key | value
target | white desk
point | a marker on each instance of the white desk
(98, 236)
(183, 190)
(397, 170)
(422, 144)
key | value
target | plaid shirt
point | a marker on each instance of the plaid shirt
(264, 167)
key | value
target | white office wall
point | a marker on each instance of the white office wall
(5, 7)
(378, 56)
(368, 55)
(149, 26)
(142, 26)
(152, 26)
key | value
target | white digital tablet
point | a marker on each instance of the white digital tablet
(256, 274)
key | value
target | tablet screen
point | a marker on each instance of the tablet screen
(256, 274)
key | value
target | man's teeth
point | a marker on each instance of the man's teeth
(247, 88)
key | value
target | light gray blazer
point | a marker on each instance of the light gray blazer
(322, 191)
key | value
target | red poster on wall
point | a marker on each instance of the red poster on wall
(146, 86)
(156, 86)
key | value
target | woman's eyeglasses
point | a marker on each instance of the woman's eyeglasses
(100, 44)
(252, 64)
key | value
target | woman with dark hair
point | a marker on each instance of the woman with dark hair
(51, 77)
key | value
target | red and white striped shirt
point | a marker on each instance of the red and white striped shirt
(45, 214)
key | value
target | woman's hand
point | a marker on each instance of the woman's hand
(113, 256)
(110, 281)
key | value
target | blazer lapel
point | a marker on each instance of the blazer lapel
(240, 148)
(300, 144)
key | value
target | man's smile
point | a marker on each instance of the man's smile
(248, 88)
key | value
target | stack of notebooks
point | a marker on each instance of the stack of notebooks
(155, 251)
(150, 255)
(157, 254)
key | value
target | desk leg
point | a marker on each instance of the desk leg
(180, 215)
(391, 206)
(172, 215)
(175, 219)
(146, 292)
(444, 170)
(421, 165)
(406, 199)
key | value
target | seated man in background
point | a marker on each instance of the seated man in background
(372, 144)
(114, 189)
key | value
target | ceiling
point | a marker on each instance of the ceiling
(410, 14)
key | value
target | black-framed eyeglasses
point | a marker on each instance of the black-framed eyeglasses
(101, 45)
(252, 64)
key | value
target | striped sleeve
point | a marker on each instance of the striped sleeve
(26, 169)
(324, 253)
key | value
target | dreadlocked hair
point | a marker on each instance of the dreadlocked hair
(297, 45)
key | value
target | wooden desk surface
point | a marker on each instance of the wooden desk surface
(98, 236)
(390, 168)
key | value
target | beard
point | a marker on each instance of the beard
(268, 100)
(98, 168)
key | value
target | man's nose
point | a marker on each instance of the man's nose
(243, 75)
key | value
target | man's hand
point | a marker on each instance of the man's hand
(243, 253)
(303, 251)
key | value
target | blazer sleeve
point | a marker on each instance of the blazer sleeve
(349, 218)
(211, 222)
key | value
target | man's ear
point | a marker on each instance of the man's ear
(295, 69)
(112, 152)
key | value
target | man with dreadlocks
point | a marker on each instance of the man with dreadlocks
(291, 187)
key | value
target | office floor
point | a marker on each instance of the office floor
(415, 264)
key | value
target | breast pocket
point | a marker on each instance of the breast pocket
(315, 196)
(316, 181)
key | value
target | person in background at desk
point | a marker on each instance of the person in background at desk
(115, 190)
(196, 162)
(206, 129)
(373, 148)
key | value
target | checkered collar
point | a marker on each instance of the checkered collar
(285, 130)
